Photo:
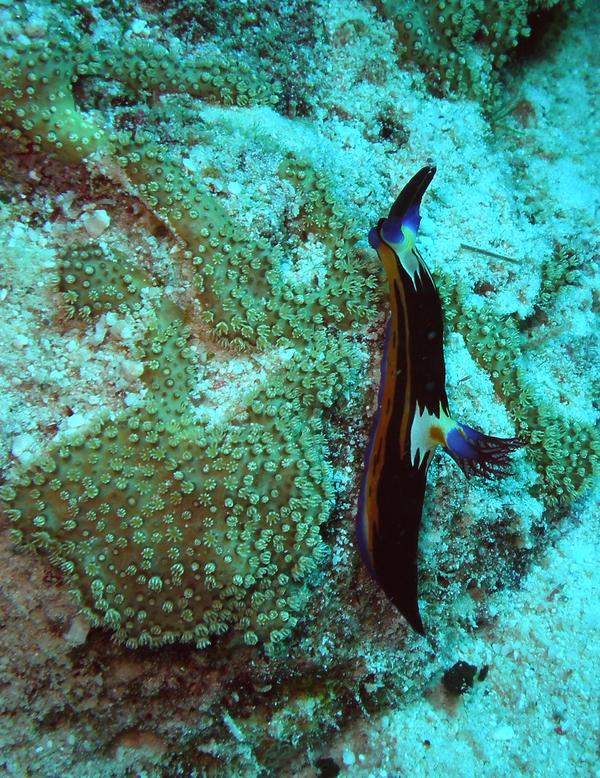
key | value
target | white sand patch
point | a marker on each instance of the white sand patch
(536, 712)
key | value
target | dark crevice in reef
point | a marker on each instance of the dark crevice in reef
(546, 25)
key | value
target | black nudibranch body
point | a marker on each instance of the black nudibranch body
(412, 417)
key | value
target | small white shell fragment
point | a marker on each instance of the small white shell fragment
(23, 447)
(134, 399)
(78, 631)
(76, 421)
(95, 222)
(504, 732)
(20, 340)
(119, 328)
(139, 27)
(99, 331)
(125, 332)
(348, 757)
(130, 369)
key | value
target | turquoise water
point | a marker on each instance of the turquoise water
(194, 287)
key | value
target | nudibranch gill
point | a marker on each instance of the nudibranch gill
(412, 417)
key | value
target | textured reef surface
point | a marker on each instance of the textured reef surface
(192, 324)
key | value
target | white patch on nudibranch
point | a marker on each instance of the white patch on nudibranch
(427, 431)
(408, 256)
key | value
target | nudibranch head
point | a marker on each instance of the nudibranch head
(399, 229)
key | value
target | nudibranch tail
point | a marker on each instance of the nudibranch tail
(397, 543)
(479, 454)
(413, 416)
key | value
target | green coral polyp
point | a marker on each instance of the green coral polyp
(92, 283)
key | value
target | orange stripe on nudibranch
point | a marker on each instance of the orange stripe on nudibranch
(391, 378)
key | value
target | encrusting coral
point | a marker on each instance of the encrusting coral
(40, 72)
(460, 43)
(244, 293)
(169, 529)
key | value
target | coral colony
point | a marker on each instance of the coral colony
(169, 531)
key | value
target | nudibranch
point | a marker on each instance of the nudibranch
(412, 416)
